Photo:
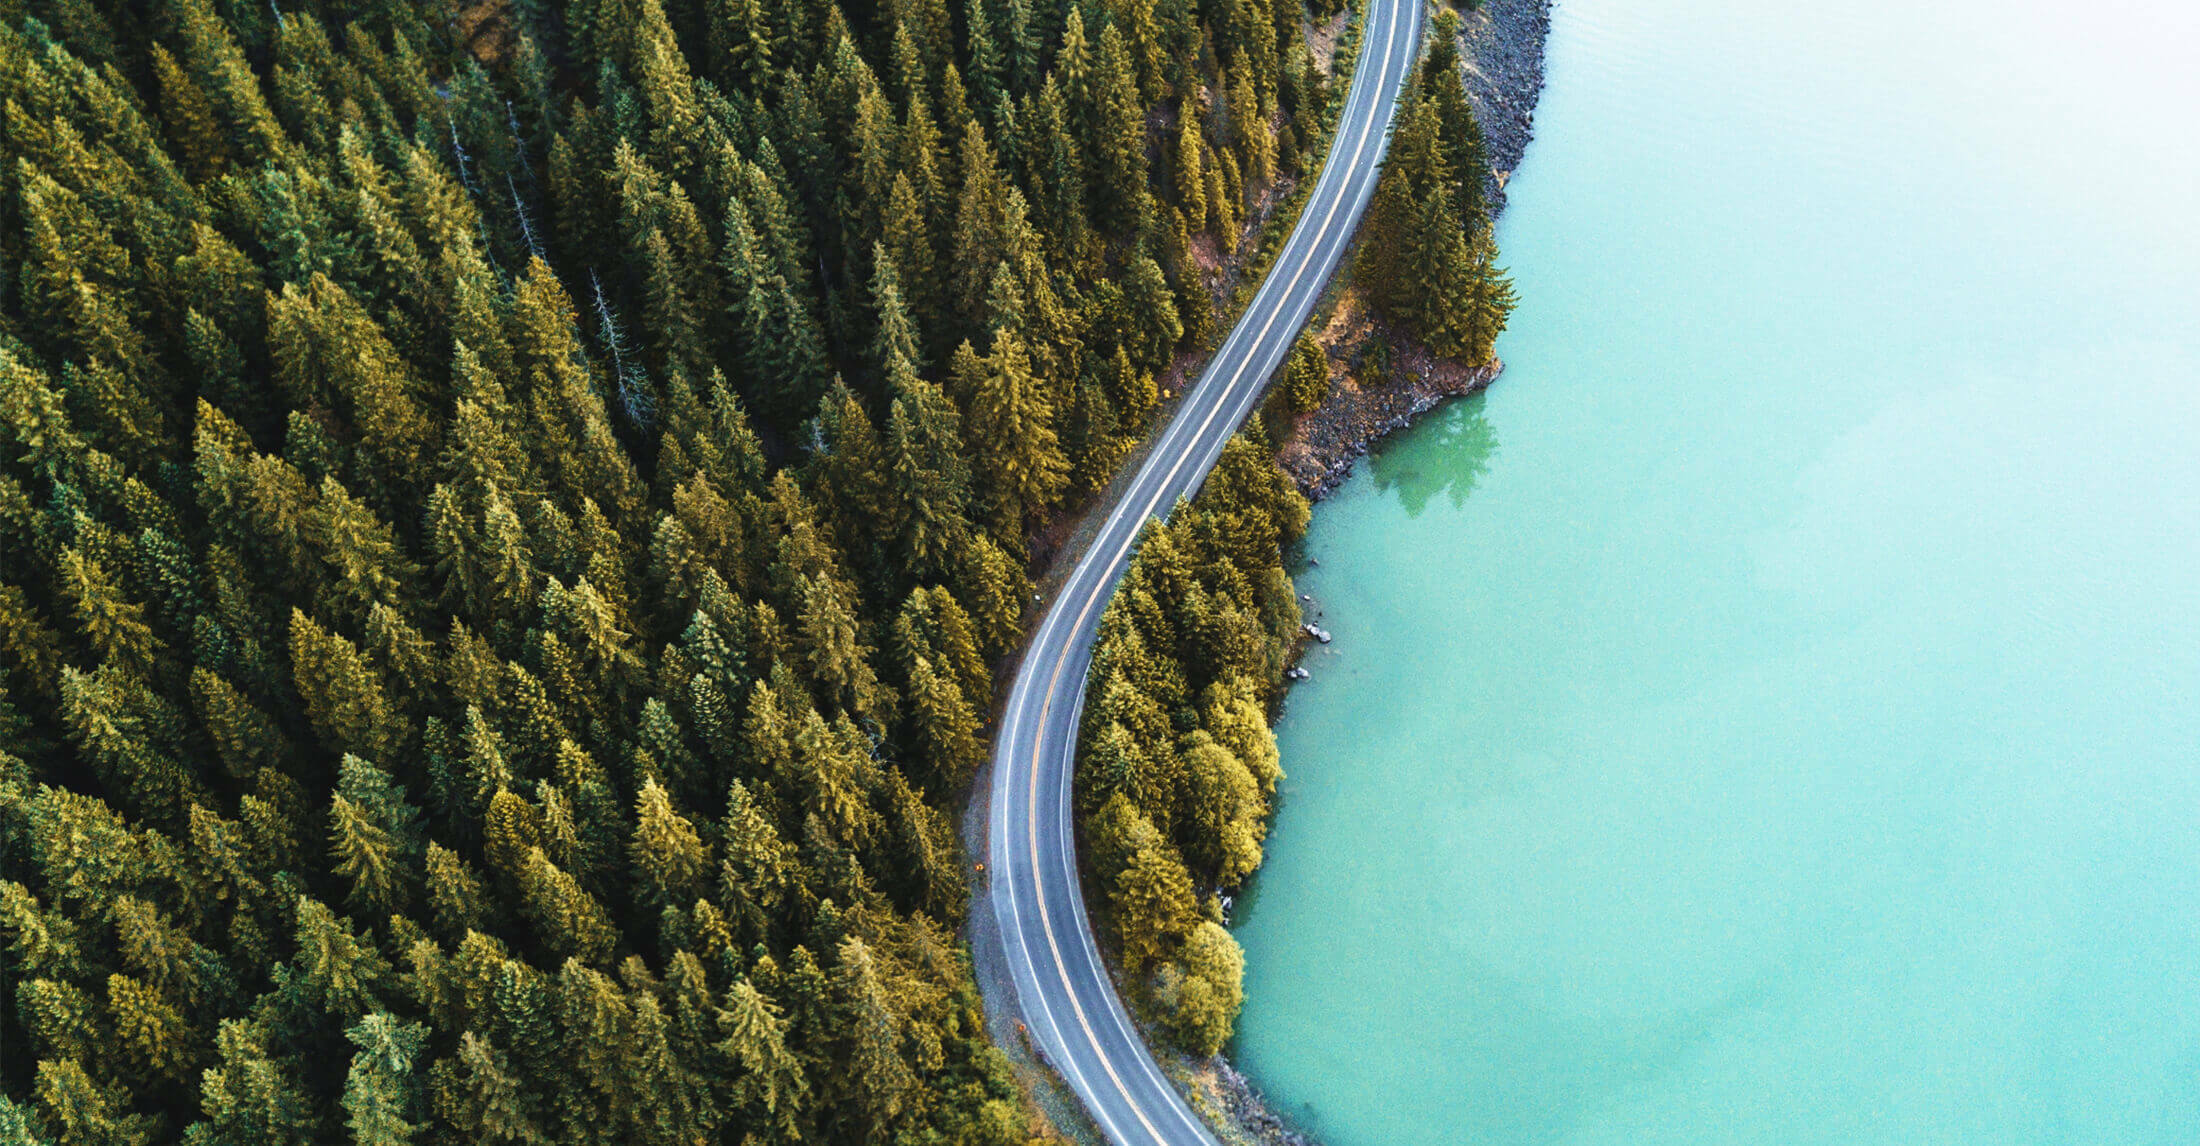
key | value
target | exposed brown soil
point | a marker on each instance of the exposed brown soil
(1367, 401)
(1501, 48)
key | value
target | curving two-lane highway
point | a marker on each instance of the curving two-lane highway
(1069, 1004)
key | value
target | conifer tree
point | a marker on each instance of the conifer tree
(929, 477)
(188, 116)
(1020, 45)
(222, 72)
(946, 725)
(1021, 454)
(1191, 174)
(1057, 172)
(342, 692)
(494, 1104)
(1306, 374)
(668, 855)
(980, 240)
(772, 1081)
(1443, 85)
(380, 1093)
(879, 1076)
(1118, 140)
(1154, 315)
(567, 919)
(896, 346)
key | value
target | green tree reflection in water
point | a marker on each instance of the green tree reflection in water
(1451, 464)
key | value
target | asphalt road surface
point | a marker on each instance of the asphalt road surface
(1063, 992)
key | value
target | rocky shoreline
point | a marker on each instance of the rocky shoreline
(1362, 410)
(1502, 48)
(1380, 381)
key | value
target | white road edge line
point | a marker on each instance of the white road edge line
(1353, 183)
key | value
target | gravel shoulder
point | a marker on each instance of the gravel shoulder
(1503, 52)
(1380, 382)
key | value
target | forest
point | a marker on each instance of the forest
(509, 511)
(1177, 767)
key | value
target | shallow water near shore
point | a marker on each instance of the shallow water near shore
(1772, 713)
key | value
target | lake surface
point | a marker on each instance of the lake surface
(1773, 714)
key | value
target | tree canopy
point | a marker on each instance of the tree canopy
(508, 523)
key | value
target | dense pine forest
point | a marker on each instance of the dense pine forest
(1428, 256)
(1176, 765)
(507, 512)
(1177, 768)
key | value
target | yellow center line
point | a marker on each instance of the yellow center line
(1061, 660)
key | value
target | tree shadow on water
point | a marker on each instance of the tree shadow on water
(1448, 456)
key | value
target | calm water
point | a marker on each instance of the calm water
(1774, 715)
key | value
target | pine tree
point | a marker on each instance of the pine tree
(1443, 85)
(327, 347)
(772, 1081)
(338, 971)
(113, 624)
(1191, 174)
(754, 871)
(945, 723)
(222, 72)
(987, 67)
(1306, 375)
(932, 624)
(879, 1075)
(1057, 173)
(189, 118)
(745, 39)
(829, 633)
(343, 694)
(376, 835)
(1118, 137)
(1493, 299)
(668, 856)
(567, 919)
(251, 1096)
(896, 346)
(930, 477)
(152, 1033)
(908, 240)
(1020, 45)
(456, 899)
(1020, 454)
(82, 1111)
(1153, 314)
(365, 855)
(495, 1104)
(980, 227)
(380, 1093)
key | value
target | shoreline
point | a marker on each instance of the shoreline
(1501, 50)
(1502, 53)
(1054, 553)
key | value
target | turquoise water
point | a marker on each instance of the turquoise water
(1773, 715)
